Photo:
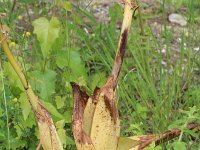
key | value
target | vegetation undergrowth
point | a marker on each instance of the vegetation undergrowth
(156, 91)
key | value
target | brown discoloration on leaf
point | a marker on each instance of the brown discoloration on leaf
(119, 56)
(123, 43)
(110, 105)
(80, 101)
(146, 140)
(95, 95)
(109, 97)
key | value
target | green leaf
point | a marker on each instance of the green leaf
(44, 83)
(52, 110)
(60, 124)
(12, 75)
(68, 116)
(18, 131)
(179, 145)
(69, 141)
(25, 105)
(59, 102)
(47, 32)
(62, 136)
(98, 79)
(30, 121)
(72, 60)
(68, 6)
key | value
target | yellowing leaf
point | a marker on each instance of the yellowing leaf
(105, 130)
(127, 143)
(88, 116)
(89, 112)
(25, 105)
(47, 32)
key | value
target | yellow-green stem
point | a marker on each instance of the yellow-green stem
(12, 60)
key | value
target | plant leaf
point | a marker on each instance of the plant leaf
(126, 143)
(83, 141)
(105, 129)
(13, 77)
(44, 83)
(71, 59)
(179, 145)
(52, 110)
(59, 102)
(25, 105)
(47, 32)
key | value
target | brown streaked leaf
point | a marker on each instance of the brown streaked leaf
(48, 135)
(105, 128)
(143, 141)
(83, 141)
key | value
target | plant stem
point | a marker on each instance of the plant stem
(12, 60)
(130, 8)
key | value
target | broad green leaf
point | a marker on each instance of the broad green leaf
(47, 32)
(52, 110)
(44, 83)
(13, 77)
(18, 130)
(62, 135)
(30, 121)
(179, 145)
(98, 79)
(68, 116)
(62, 59)
(17, 144)
(25, 105)
(71, 59)
(59, 102)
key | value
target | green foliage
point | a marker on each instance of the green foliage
(14, 79)
(44, 83)
(24, 105)
(179, 145)
(47, 32)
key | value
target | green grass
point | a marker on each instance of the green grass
(152, 97)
